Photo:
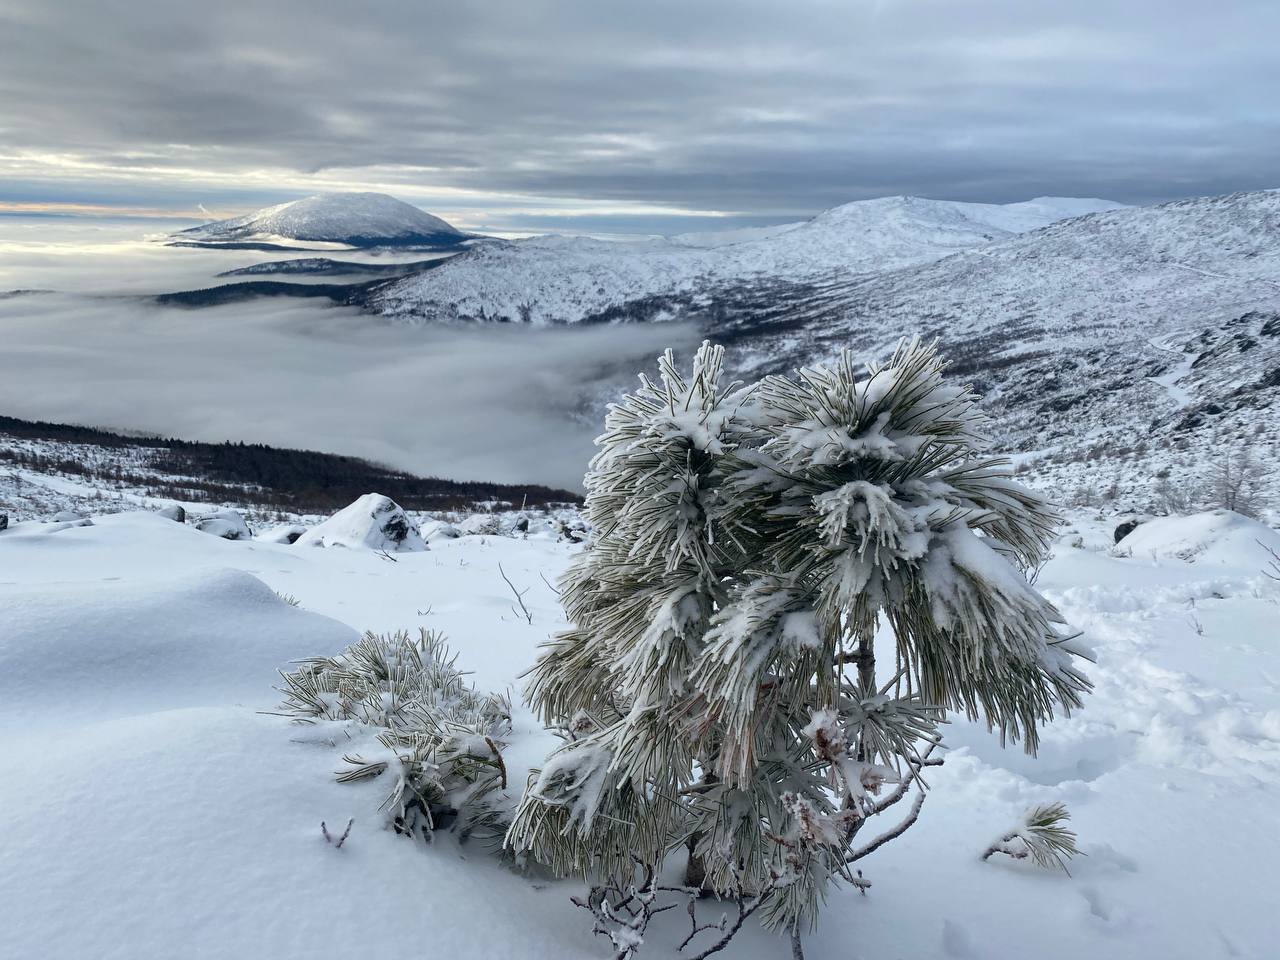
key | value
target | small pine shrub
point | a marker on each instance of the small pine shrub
(440, 741)
(728, 690)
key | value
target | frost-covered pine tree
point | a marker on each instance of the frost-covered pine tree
(790, 586)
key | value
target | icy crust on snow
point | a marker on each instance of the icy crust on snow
(373, 522)
(360, 218)
(568, 279)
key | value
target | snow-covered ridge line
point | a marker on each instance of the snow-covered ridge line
(559, 279)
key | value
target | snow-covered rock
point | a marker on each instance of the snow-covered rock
(1217, 538)
(173, 511)
(71, 518)
(439, 530)
(481, 525)
(282, 533)
(373, 522)
(225, 523)
(355, 219)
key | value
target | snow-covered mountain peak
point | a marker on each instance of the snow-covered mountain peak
(358, 219)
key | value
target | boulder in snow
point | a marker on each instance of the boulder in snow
(1125, 528)
(173, 511)
(224, 523)
(1216, 537)
(4, 521)
(440, 530)
(480, 525)
(71, 518)
(284, 533)
(373, 522)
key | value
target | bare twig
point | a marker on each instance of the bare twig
(386, 556)
(1272, 569)
(888, 835)
(502, 767)
(519, 595)
(745, 909)
(904, 785)
(337, 844)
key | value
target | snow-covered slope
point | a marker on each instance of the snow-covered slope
(355, 219)
(1147, 334)
(570, 279)
(150, 811)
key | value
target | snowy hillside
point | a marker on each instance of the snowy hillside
(570, 279)
(1128, 347)
(47, 467)
(354, 219)
(152, 811)
(1122, 345)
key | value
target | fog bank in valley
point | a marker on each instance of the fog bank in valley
(492, 402)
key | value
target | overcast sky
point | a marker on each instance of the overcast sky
(648, 115)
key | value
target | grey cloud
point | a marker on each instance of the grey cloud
(768, 109)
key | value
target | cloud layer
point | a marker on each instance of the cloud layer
(537, 112)
(487, 404)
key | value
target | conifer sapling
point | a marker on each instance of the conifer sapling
(789, 586)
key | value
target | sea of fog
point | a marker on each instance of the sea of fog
(90, 346)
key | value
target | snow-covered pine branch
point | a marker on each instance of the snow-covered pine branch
(1041, 835)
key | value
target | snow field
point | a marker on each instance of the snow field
(151, 811)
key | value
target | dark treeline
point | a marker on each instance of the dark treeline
(302, 481)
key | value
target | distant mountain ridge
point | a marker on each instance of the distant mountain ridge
(558, 279)
(351, 219)
(1130, 348)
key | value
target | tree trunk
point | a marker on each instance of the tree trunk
(695, 871)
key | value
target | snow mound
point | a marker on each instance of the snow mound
(358, 219)
(1218, 537)
(480, 525)
(282, 533)
(373, 522)
(225, 523)
(91, 651)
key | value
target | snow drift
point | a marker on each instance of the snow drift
(113, 649)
